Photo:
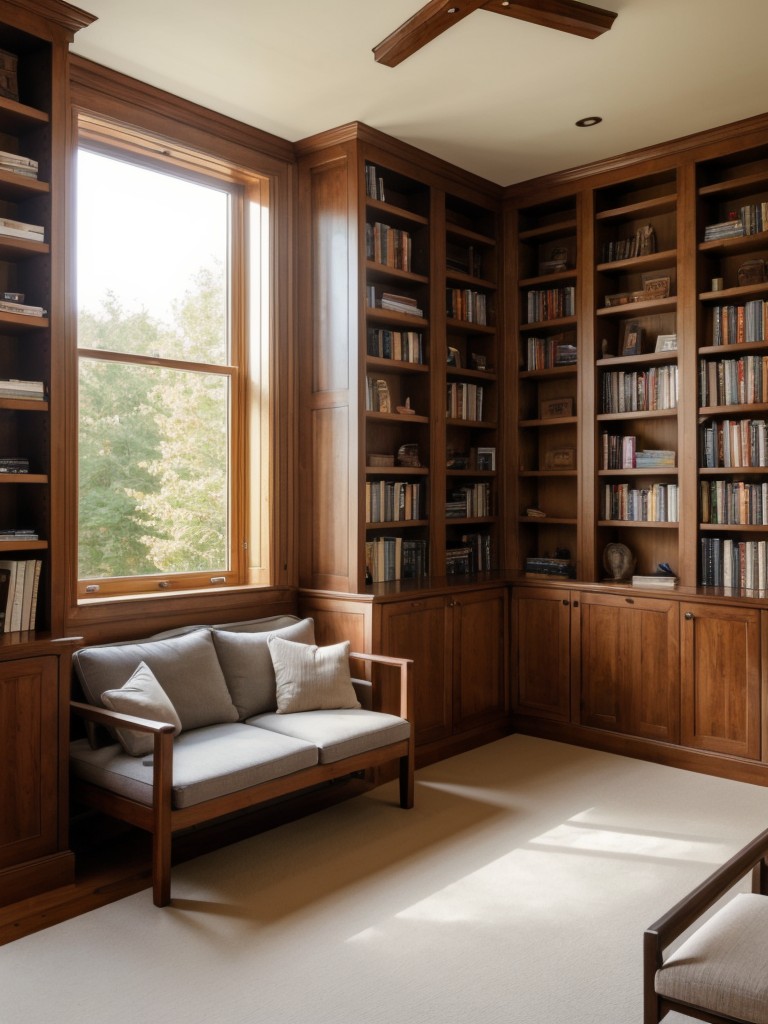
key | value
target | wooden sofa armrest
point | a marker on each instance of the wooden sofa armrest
(406, 682)
(162, 780)
(113, 719)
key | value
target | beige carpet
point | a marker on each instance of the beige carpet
(516, 891)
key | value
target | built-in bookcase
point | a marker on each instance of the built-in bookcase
(547, 479)
(472, 414)
(635, 349)
(397, 365)
(732, 238)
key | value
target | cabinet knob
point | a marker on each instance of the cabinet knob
(629, 600)
(689, 616)
(565, 603)
(575, 604)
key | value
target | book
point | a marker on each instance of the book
(655, 580)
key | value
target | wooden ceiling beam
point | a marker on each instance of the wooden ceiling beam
(439, 15)
(564, 15)
(427, 24)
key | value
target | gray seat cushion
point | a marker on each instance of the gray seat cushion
(723, 966)
(337, 734)
(207, 763)
(186, 667)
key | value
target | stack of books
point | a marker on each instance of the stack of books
(21, 229)
(400, 304)
(16, 164)
(541, 566)
(13, 464)
(28, 389)
(8, 306)
(732, 228)
(19, 584)
(656, 579)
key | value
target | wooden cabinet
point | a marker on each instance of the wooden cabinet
(541, 653)
(721, 678)
(458, 643)
(34, 692)
(629, 665)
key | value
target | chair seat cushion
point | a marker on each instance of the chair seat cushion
(723, 966)
(207, 763)
(337, 734)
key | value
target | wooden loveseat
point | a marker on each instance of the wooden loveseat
(188, 726)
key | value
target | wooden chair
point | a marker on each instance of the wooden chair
(720, 972)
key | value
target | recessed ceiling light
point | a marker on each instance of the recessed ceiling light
(587, 122)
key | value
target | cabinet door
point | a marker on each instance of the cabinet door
(629, 665)
(478, 623)
(29, 753)
(541, 642)
(419, 630)
(721, 679)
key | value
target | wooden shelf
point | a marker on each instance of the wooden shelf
(653, 261)
(643, 208)
(394, 365)
(630, 310)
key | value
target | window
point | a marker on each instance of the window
(172, 342)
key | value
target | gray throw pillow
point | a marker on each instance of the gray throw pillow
(143, 697)
(247, 665)
(311, 678)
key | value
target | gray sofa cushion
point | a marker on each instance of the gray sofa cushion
(207, 763)
(185, 666)
(246, 662)
(337, 734)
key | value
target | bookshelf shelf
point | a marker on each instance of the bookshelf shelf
(396, 212)
(549, 325)
(639, 524)
(644, 208)
(395, 365)
(652, 261)
(380, 271)
(23, 478)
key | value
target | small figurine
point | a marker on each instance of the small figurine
(406, 409)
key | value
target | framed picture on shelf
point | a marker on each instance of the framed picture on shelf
(666, 343)
(556, 408)
(632, 340)
(479, 362)
(560, 458)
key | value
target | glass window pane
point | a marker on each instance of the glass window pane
(152, 249)
(153, 470)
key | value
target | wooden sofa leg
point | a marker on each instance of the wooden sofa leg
(406, 780)
(161, 831)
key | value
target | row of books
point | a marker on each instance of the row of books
(750, 219)
(469, 502)
(733, 502)
(465, 401)
(377, 397)
(374, 184)
(625, 503)
(19, 585)
(395, 558)
(550, 303)
(393, 302)
(466, 304)
(733, 381)
(726, 562)
(471, 554)
(544, 353)
(391, 247)
(734, 444)
(620, 451)
(640, 390)
(392, 501)
(476, 549)
(641, 243)
(738, 324)
(17, 164)
(404, 346)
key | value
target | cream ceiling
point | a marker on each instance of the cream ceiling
(494, 95)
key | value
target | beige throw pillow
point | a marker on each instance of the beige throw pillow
(311, 678)
(143, 697)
